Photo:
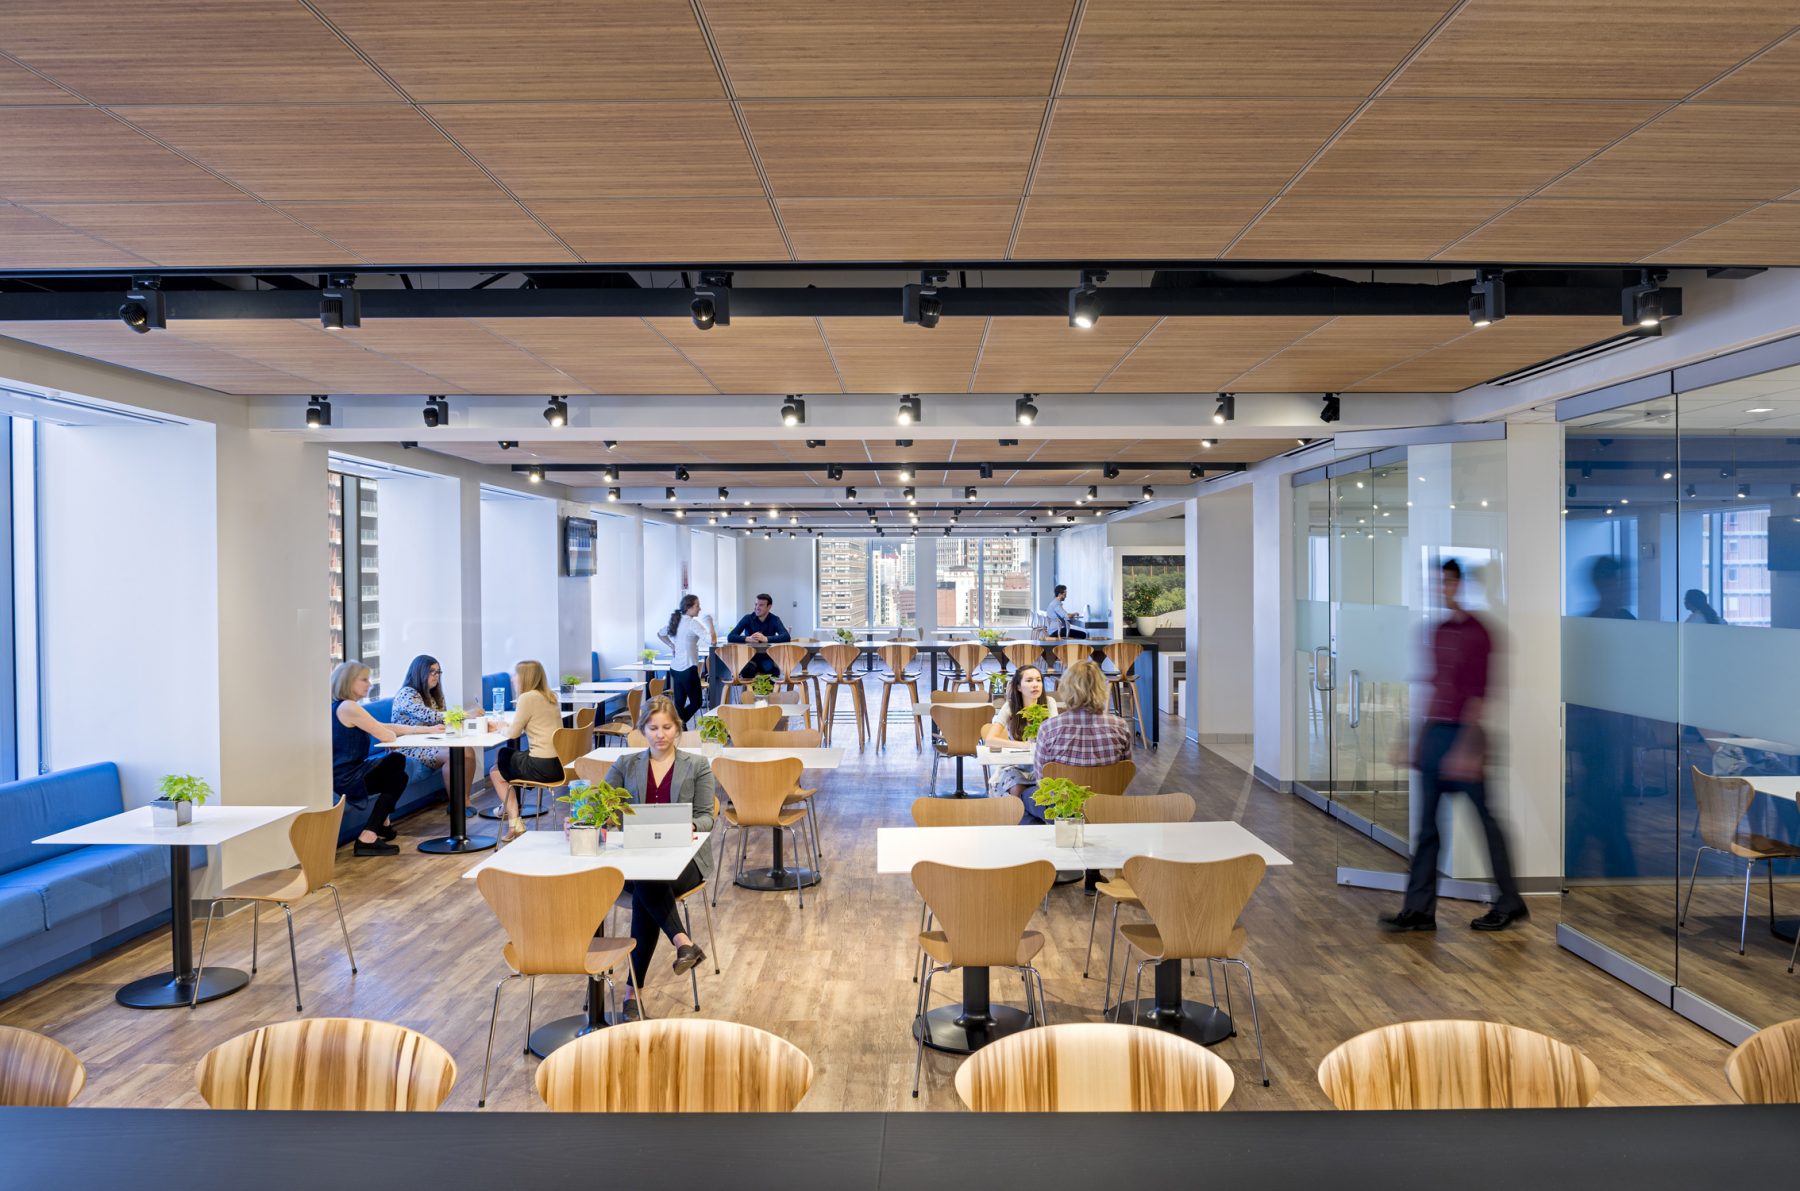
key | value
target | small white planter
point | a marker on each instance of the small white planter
(1070, 833)
(584, 841)
(710, 749)
(171, 814)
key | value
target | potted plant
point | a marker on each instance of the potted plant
(1062, 801)
(569, 681)
(713, 736)
(1033, 715)
(593, 808)
(178, 795)
(454, 718)
(846, 636)
(997, 687)
(762, 686)
(989, 636)
(649, 655)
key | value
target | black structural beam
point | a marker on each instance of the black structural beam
(811, 466)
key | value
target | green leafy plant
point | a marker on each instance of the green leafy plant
(649, 655)
(1154, 595)
(846, 636)
(570, 679)
(454, 717)
(1061, 798)
(762, 686)
(988, 636)
(596, 804)
(183, 787)
(712, 729)
(997, 685)
(1034, 715)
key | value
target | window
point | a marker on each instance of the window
(20, 738)
(866, 581)
(1734, 565)
(983, 581)
(353, 529)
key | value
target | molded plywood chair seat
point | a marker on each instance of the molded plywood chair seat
(1122, 682)
(733, 658)
(983, 913)
(958, 734)
(1094, 1067)
(967, 659)
(1113, 808)
(676, 1065)
(37, 1072)
(1765, 1068)
(584, 717)
(1456, 1064)
(841, 659)
(1723, 802)
(1106, 780)
(593, 771)
(313, 836)
(552, 926)
(571, 745)
(1003, 811)
(1194, 908)
(790, 660)
(759, 793)
(739, 718)
(898, 659)
(797, 738)
(328, 1064)
(634, 705)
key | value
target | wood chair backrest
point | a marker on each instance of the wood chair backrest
(37, 1072)
(1765, 1068)
(1138, 808)
(942, 698)
(633, 740)
(1194, 904)
(897, 658)
(1004, 811)
(314, 838)
(735, 657)
(584, 717)
(1022, 655)
(789, 657)
(1456, 1064)
(571, 744)
(748, 719)
(337, 1064)
(1723, 802)
(1122, 654)
(840, 658)
(961, 725)
(983, 911)
(769, 738)
(1094, 1067)
(1112, 779)
(1071, 652)
(634, 704)
(676, 1065)
(656, 688)
(758, 788)
(550, 920)
(968, 656)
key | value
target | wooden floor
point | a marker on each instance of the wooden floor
(834, 977)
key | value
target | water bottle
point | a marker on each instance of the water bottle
(499, 701)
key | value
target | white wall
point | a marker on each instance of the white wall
(616, 595)
(422, 562)
(1223, 677)
(519, 544)
(575, 610)
(1271, 622)
(1532, 764)
(1084, 564)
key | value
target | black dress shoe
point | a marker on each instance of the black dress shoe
(385, 831)
(1498, 919)
(687, 957)
(631, 1011)
(378, 848)
(1407, 920)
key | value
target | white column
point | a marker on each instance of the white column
(1272, 623)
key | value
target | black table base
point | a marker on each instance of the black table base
(966, 1028)
(1205, 1024)
(778, 875)
(168, 991)
(459, 840)
(1785, 929)
(960, 791)
(565, 1030)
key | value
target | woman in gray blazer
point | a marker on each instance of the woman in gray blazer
(663, 773)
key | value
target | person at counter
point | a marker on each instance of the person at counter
(761, 627)
(1062, 621)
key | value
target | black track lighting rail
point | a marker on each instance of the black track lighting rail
(1207, 464)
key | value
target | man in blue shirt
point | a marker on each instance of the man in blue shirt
(761, 627)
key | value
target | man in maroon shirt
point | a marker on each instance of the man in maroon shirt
(1452, 755)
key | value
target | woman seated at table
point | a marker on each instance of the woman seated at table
(353, 775)
(1025, 689)
(664, 774)
(420, 700)
(1084, 732)
(536, 716)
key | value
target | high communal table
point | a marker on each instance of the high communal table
(459, 744)
(976, 1021)
(778, 877)
(212, 825)
(1144, 670)
(546, 854)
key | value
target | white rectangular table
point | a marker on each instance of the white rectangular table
(616, 686)
(212, 825)
(1775, 785)
(820, 758)
(459, 744)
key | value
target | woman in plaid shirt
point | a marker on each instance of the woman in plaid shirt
(1084, 732)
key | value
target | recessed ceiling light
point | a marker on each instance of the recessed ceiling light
(1761, 409)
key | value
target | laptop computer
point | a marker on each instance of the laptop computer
(662, 826)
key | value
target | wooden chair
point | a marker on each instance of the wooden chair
(571, 745)
(966, 660)
(1006, 810)
(313, 836)
(37, 1072)
(1723, 802)
(594, 771)
(552, 926)
(758, 793)
(984, 913)
(1094, 1067)
(676, 1065)
(1194, 908)
(795, 738)
(1765, 1068)
(657, 687)
(739, 719)
(634, 706)
(957, 733)
(584, 717)
(733, 658)
(328, 1064)
(790, 661)
(1122, 683)
(897, 659)
(841, 659)
(1111, 780)
(1113, 808)
(1456, 1064)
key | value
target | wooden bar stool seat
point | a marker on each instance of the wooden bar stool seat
(967, 659)
(842, 661)
(733, 658)
(898, 659)
(1122, 683)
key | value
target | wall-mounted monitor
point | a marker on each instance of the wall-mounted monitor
(578, 546)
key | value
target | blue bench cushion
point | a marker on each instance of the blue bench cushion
(381, 709)
(40, 806)
(492, 682)
(21, 915)
(74, 883)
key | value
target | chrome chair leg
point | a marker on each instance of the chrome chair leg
(1693, 876)
(1088, 955)
(1744, 921)
(343, 926)
(200, 967)
(1255, 1018)
(799, 889)
(712, 938)
(919, 1061)
(1112, 941)
(493, 1021)
(255, 931)
(687, 921)
(293, 953)
(530, 1002)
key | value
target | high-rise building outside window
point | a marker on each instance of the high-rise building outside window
(354, 574)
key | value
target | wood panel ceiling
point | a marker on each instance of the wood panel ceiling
(206, 132)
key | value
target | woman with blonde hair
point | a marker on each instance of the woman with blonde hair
(1084, 732)
(353, 775)
(536, 716)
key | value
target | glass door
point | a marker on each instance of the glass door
(1313, 721)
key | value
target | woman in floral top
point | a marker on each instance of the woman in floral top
(420, 700)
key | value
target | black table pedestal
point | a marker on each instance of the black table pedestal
(1205, 1024)
(565, 1030)
(965, 1028)
(174, 989)
(778, 876)
(960, 791)
(459, 839)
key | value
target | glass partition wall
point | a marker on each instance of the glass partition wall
(1681, 642)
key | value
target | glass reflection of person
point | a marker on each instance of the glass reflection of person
(1600, 752)
(1700, 611)
(1609, 578)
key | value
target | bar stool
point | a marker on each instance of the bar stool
(790, 660)
(897, 658)
(552, 926)
(1068, 653)
(1113, 808)
(330, 1064)
(1122, 684)
(37, 1072)
(738, 718)
(734, 658)
(958, 734)
(676, 1065)
(1021, 656)
(842, 660)
(1094, 1067)
(967, 659)
(1457, 1064)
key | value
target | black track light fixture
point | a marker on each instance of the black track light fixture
(921, 303)
(1487, 298)
(436, 412)
(610, 474)
(1641, 305)
(612, 495)
(1084, 299)
(1110, 471)
(834, 472)
(609, 443)
(971, 493)
(911, 495)
(535, 474)
(556, 413)
(1093, 492)
(813, 444)
(1149, 492)
(1226, 409)
(711, 304)
(1196, 472)
(1025, 410)
(318, 411)
(1332, 408)
(911, 411)
(509, 444)
(680, 513)
(669, 494)
(144, 309)
(681, 475)
(850, 494)
(724, 493)
(1207, 444)
(907, 474)
(340, 306)
(793, 411)
(987, 471)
